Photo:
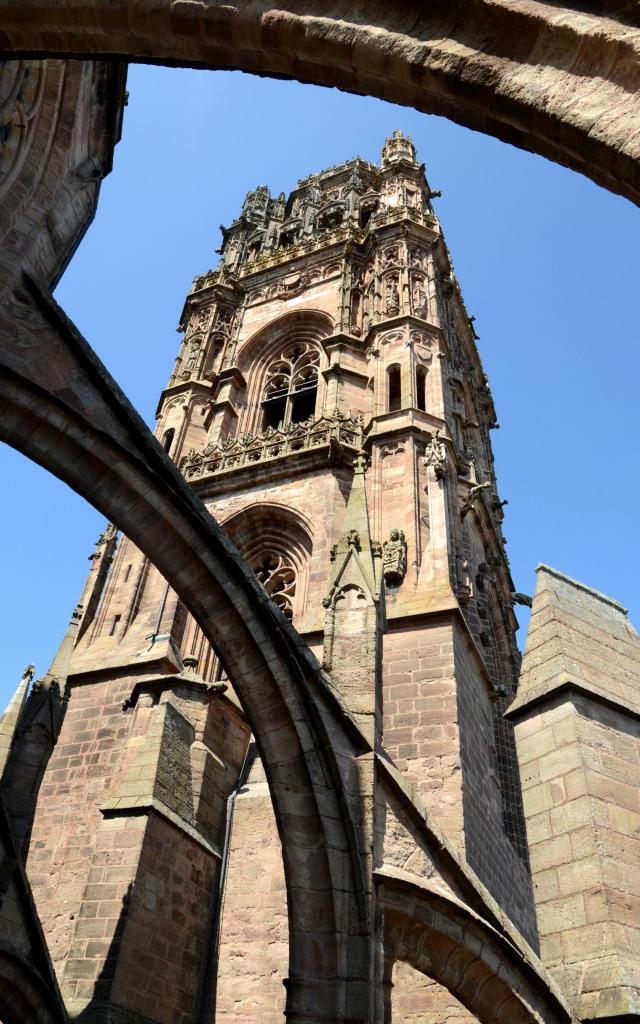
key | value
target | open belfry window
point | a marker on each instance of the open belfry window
(291, 386)
(394, 388)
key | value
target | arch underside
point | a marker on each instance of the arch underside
(558, 80)
(446, 941)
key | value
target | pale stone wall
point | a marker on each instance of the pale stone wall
(579, 754)
(254, 933)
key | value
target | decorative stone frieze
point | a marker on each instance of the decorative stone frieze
(327, 432)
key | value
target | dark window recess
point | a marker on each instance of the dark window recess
(127, 572)
(395, 395)
(421, 388)
(167, 439)
(289, 237)
(303, 404)
(114, 624)
(274, 410)
(366, 215)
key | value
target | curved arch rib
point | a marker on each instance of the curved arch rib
(557, 80)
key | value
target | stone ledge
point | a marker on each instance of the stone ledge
(565, 684)
(128, 807)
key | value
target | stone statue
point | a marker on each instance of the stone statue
(436, 455)
(392, 296)
(419, 298)
(394, 557)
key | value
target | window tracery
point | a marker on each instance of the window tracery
(276, 574)
(291, 386)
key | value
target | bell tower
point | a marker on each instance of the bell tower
(329, 406)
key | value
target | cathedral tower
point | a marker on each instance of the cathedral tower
(329, 406)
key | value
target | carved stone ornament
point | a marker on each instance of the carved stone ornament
(435, 455)
(422, 345)
(21, 97)
(391, 448)
(199, 318)
(394, 557)
(391, 295)
(105, 537)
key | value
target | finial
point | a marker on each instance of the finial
(398, 147)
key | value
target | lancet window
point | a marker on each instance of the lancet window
(291, 386)
(394, 388)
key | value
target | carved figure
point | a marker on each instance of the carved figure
(435, 455)
(419, 297)
(391, 296)
(394, 557)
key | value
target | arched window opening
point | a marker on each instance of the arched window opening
(421, 388)
(394, 388)
(289, 237)
(254, 246)
(276, 574)
(291, 387)
(167, 439)
(330, 220)
(366, 213)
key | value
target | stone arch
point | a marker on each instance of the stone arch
(104, 452)
(24, 997)
(515, 71)
(273, 527)
(478, 963)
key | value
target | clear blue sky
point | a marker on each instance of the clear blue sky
(547, 262)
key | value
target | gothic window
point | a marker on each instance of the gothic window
(421, 385)
(254, 246)
(276, 574)
(291, 386)
(167, 439)
(394, 393)
(367, 211)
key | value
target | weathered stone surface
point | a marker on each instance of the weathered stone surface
(333, 325)
(578, 738)
(561, 79)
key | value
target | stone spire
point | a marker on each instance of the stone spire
(11, 717)
(34, 732)
(56, 676)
